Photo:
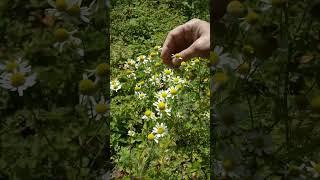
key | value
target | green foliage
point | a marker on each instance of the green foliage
(137, 71)
(46, 133)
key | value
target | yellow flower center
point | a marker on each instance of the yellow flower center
(197, 60)
(101, 108)
(236, 8)
(167, 72)
(244, 68)
(228, 164)
(179, 86)
(252, 17)
(160, 130)
(74, 10)
(151, 136)
(141, 95)
(102, 69)
(153, 54)
(148, 113)
(137, 88)
(220, 77)
(183, 63)
(173, 91)
(176, 80)
(158, 64)
(61, 5)
(17, 79)
(178, 56)
(164, 94)
(61, 34)
(87, 87)
(11, 66)
(161, 106)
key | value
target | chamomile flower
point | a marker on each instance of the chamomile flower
(153, 55)
(160, 130)
(131, 133)
(176, 56)
(115, 85)
(152, 137)
(141, 95)
(314, 169)
(15, 65)
(64, 37)
(218, 59)
(147, 70)
(130, 63)
(17, 81)
(87, 89)
(149, 115)
(142, 59)
(155, 80)
(70, 10)
(173, 91)
(157, 48)
(167, 74)
(177, 80)
(249, 20)
(100, 109)
(163, 95)
(162, 107)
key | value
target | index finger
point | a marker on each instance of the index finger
(170, 45)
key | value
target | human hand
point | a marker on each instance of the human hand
(189, 40)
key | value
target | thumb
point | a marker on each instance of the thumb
(186, 54)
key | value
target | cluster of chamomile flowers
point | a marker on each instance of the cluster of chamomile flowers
(70, 11)
(167, 85)
(98, 106)
(16, 75)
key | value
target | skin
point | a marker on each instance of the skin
(191, 39)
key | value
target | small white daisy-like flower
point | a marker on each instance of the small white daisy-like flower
(147, 70)
(160, 130)
(71, 10)
(141, 95)
(173, 91)
(155, 80)
(249, 20)
(115, 85)
(167, 74)
(99, 109)
(162, 107)
(142, 59)
(131, 133)
(65, 37)
(17, 81)
(130, 63)
(15, 65)
(176, 56)
(222, 59)
(314, 169)
(163, 95)
(149, 115)
(177, 80)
